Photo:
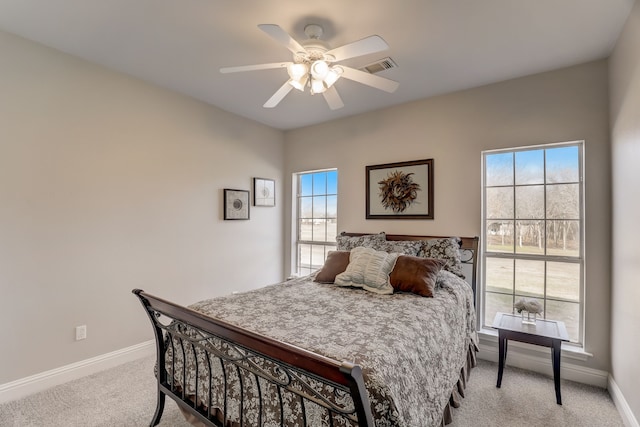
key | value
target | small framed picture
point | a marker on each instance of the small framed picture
(264, 192)
(236, 204)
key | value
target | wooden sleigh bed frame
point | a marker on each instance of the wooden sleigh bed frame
(335, 386)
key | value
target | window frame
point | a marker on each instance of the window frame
(515, 255)
(328, 245)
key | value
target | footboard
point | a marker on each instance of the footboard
(227, 376)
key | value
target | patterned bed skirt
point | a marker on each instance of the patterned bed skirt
(455, 400)
(457, 394)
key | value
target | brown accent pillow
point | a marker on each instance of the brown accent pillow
(414, 274)
(336, 263)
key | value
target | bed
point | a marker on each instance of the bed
(327, 349)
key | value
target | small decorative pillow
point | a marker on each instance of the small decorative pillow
(446, 249)
(336, 263)
(346, 243)
(417, 275)
(404, 247)
(368, 269)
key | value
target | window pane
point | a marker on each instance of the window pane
(319, 206)
(563, 280)
(332, 182)
(499, 275)
(317, 256)
(306, 230)
(499, 235)
(563, 238)
(319, 230)
(332, 231)
(530, 167)
(530, 202)
(530, 237)
(332, 206)
(563, 201)
(530, 278)
(563, 164)
(569, 313)
(306, 182)
(306, 207)
(496, 303)
(304, 255)
(499, 169)
(499, 202)
(320, 183)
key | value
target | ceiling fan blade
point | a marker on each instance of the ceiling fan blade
(278, 96)
(255, 67)
(282, 37)
(371, 44)
(372, 80)
(333, 98)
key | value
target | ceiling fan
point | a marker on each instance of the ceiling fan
(315, 65)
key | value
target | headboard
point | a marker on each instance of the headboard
(468, 252)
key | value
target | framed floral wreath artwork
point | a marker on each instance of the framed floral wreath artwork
(402, 190)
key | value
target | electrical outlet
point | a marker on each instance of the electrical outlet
(81, 332)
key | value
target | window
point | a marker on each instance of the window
(533, 232)
(316, 218)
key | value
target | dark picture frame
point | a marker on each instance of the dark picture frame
(402, 190)
(236, 204)
(264, 192)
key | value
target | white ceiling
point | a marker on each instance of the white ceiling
(440, 46)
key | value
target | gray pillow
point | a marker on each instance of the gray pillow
(346, 243)
(403, 247)
(446, 249)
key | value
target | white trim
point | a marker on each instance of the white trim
(25, 386)
(540, 364)
(628, 418)
(569, 351)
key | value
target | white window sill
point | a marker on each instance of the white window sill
(570, 351)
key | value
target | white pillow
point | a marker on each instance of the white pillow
(368, 269)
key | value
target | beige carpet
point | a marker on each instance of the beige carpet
(528, 399)
(125, 397)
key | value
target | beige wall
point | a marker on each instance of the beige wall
(625, 148)
(108, 184)
(564, 105)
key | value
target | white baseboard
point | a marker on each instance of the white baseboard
(569, 371)
(44, 380)
(621, 403)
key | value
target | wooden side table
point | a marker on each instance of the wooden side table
(548, 333)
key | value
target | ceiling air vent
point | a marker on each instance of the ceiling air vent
(380, 65)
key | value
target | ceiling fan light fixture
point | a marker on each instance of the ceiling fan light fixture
(317, 86)
(332, 76)
(300, 83)
(319, 69)
(297, 71)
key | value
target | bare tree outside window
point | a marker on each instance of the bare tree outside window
(533, 219)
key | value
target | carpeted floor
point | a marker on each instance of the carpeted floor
(125, 397)
(528, 399)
